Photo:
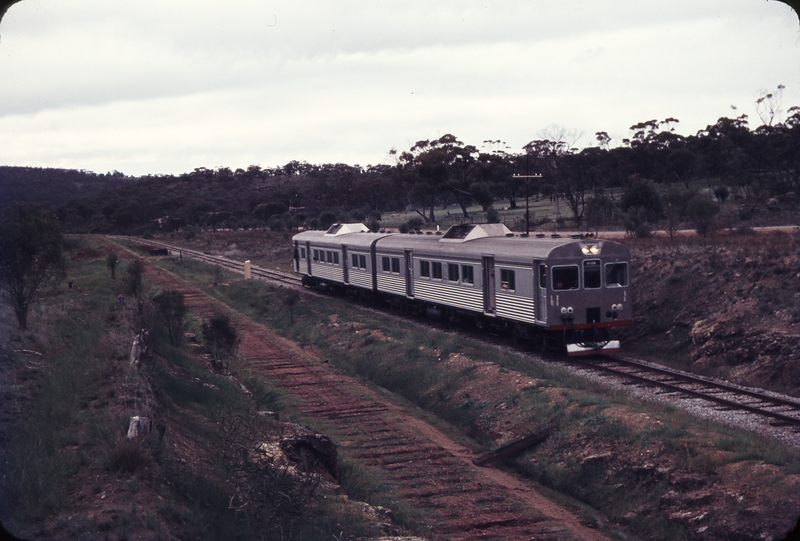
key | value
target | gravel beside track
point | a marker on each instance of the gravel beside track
(698, 407)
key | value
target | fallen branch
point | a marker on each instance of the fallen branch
(515, 447)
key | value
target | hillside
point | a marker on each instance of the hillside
(727, 306)
(53, 188)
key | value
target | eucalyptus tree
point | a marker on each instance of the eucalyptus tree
(30, 256)
(432, 168)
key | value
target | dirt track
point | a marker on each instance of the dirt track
(425, 467)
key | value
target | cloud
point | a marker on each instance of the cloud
(160, 87)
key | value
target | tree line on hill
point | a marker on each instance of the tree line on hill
(654, 176)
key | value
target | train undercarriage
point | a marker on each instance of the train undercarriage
(572, 341)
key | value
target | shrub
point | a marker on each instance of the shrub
(133, 278)
(128, 456)
(172, 310)
(701, 211)
(327, 219)
(221, 339)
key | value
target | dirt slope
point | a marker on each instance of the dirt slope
(727, 306)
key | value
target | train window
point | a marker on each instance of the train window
(362, 261)
(316, 255)
(425, 269)
(396, 265)
(467, 274)
(543, 276)
(591, 274)
(436, 270)
(302, 253)
(335, 258)
(452, 272)
(508, 279)
(565, 278)
(330, 256)
(616, 274)
(386, 264)
(355, 261)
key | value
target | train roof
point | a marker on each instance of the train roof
(471, 241)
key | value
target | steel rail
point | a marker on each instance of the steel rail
(710, 382)
(232, 264)
(705, 395)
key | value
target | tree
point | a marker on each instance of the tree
(30, 256)
(674, 202)
(265, 210)
(290, 299)
(641, 205)
(600, 211)
(111, 262)
(768, 105)
(221, 340)
(327, 218)
(436, 167)
(565, 173)
(172, 310)
(483, 194)
(133, 278)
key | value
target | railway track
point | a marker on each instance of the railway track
(224, 262)
(781, 411)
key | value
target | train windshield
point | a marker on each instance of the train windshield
(591, 274)
(616, 274)
(565, 278)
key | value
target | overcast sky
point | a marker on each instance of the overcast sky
(162, 87)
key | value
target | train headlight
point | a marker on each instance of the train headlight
(570, 310)
(564, 310)
(590, 249)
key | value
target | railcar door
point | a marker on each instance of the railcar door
(345, 266)
(489, 302)
(409, 274)
(540, 291)
(308, 256)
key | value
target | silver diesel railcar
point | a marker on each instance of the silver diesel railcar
(554, 292)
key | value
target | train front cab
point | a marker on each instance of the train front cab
(586, 292)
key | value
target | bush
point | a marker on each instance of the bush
(221, 339)
(172, 310)
(702, 211)
(415, 223)
(128, 456)
(642, 194)
(133, 278)
(266, 210)
(327, 219)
